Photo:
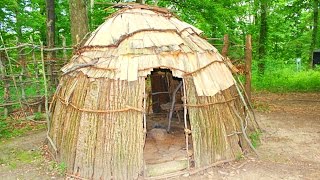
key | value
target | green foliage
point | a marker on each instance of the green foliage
(284, 77)
(239, 156)
(255, 138)
(60, 168)
(4, 131)
(38, 116)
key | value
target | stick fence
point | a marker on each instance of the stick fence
(23, 72)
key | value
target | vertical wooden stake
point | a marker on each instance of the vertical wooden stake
(248, 54)
(64, 45)
(23, 63)
(46, 97)
(144, 110)
(225, 48)
(45, 86)
(6, 93)
(36, 72)
(186, 130)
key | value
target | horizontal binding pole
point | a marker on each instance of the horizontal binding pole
(129, 108)
(190, 73)
(209, 104)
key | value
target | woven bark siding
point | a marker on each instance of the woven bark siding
(212, 124)
(107, 144)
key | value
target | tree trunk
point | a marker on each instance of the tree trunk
(51, 20)
(21, 51)
(79, 20)
(225, 48)
(140, 1)
(315, 30)
(4, 78)
(263, 36)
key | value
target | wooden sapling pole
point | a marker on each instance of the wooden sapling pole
(6, 93)
(36, 72)
(46, 98)
(248, 108)
(248, 55)
(22, 61)
(64, 45)
(225, 48)
(12, 74)
(186, 130)
(144, 110)
(172, 105)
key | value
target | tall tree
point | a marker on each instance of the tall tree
(50, 37)
(51, 21)
(262, 36)
(314, 30)
(140, 1)
(79, 20)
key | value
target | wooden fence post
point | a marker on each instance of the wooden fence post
(225, 48)
(248, 61)
(6, 93)
(36, 72)
(23, 63)
(64, 45)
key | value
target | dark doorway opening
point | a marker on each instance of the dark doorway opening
(165, 151)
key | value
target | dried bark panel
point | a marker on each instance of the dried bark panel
(65, 120)
(86, 143)
(212, 127)
(72, 120)
(99, 145)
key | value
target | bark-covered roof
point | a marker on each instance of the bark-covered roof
(138, 38)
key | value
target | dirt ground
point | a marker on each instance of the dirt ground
(290, 147)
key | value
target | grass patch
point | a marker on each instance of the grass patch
(255, 138)
(62, 168)
(58, 168)
(27, 156)
(13, 158)
(239, 156)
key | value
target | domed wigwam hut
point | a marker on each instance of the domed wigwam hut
(98, 116)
